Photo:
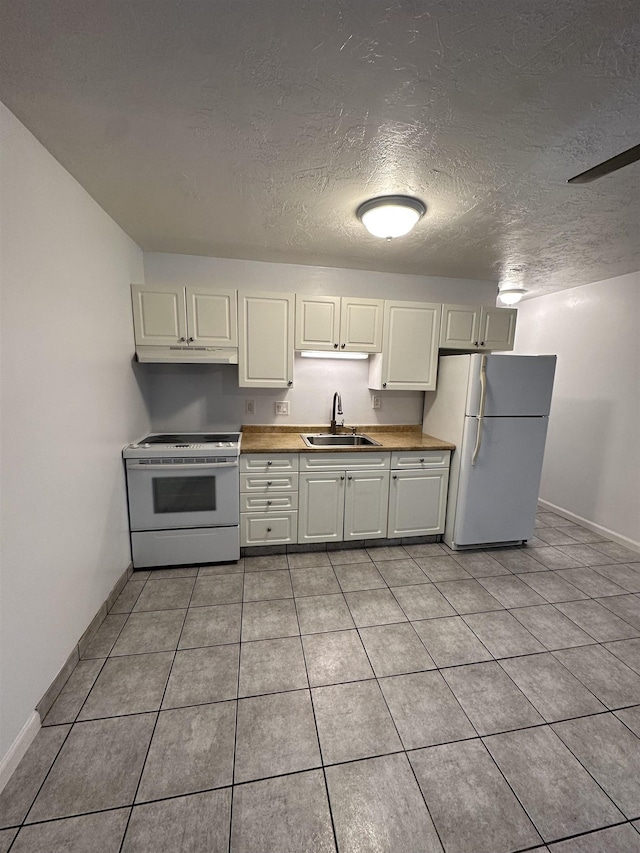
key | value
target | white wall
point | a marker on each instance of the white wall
(69, 403)
(206, 396)
(592, 458)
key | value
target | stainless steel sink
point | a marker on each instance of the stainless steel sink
(329, 440)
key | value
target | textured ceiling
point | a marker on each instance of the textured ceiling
(254, 128)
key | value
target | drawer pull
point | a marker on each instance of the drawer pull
(269, 482)
(269, 462)
(268, 530)
(422, 460)
(269, 503)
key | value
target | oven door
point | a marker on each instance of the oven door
(173, 496)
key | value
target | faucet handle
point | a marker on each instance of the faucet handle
(354, 430)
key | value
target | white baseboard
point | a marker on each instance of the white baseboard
(590, 525)
(18, 748)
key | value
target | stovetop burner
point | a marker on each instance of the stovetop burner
(184, 444)
(190, 438)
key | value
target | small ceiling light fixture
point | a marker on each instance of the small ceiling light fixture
(511, 295)
(511, 290)
(390, 216)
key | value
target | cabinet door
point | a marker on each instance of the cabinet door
(460, 327)
(159, 317)
(409, 358)
(366, 504)
(497, 328)
(265, 332)
(361, 325)
(417, 502)
(212, 317)
(317, 322)
(321, 507)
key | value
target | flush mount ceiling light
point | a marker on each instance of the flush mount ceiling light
(511, 295)
(390, 216)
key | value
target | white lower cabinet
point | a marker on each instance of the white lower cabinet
(268, 499)
(418, 497)
(343, 496)
(338, 497)
(366, 504)
(321, 506)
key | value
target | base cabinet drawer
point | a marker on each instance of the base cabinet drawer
(269, 483)
(268, 503)
(420, 459)
(263, 463)
(259, 528)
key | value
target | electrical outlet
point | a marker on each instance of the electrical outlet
(282, 407)
(250, 407)
(375, 401)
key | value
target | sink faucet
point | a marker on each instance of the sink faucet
(336, 408)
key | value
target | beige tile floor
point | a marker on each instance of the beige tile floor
(394, 699)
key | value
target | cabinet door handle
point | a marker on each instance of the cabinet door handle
(181, 340)
(349, 478)
(395, 476)
(481, 343)
(342, 478)
(335, 346)
(384, 384)
(342, 346)
(191, 340)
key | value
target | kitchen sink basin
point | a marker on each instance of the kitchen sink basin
(329, 440)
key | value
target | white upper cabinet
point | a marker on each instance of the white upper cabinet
(409, 357)
(471, 327)
(497, 328)
(265, 332)
(159, 317)
(212, 317)
(338, 323)
(317, 322)
(169, 315)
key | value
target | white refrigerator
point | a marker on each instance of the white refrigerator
(495, 409)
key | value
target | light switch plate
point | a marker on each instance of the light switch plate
(375, 401)
(250, 407)
(282, 407)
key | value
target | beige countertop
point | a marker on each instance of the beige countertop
(286, 439)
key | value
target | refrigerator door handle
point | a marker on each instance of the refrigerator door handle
(483, 400)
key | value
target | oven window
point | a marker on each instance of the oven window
(184, 494)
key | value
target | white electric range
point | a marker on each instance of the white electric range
(184, 498)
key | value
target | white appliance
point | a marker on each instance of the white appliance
(184, 498)
(188, 354)
(495, 408)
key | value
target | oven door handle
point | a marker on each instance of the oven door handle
(145, 466)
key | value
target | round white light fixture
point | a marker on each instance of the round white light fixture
(511, 295)
(390, 216)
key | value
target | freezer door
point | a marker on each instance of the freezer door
(497, 496)
(517, 385)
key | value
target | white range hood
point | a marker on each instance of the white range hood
(187, 354)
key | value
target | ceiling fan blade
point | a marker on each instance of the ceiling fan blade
(608, 166)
